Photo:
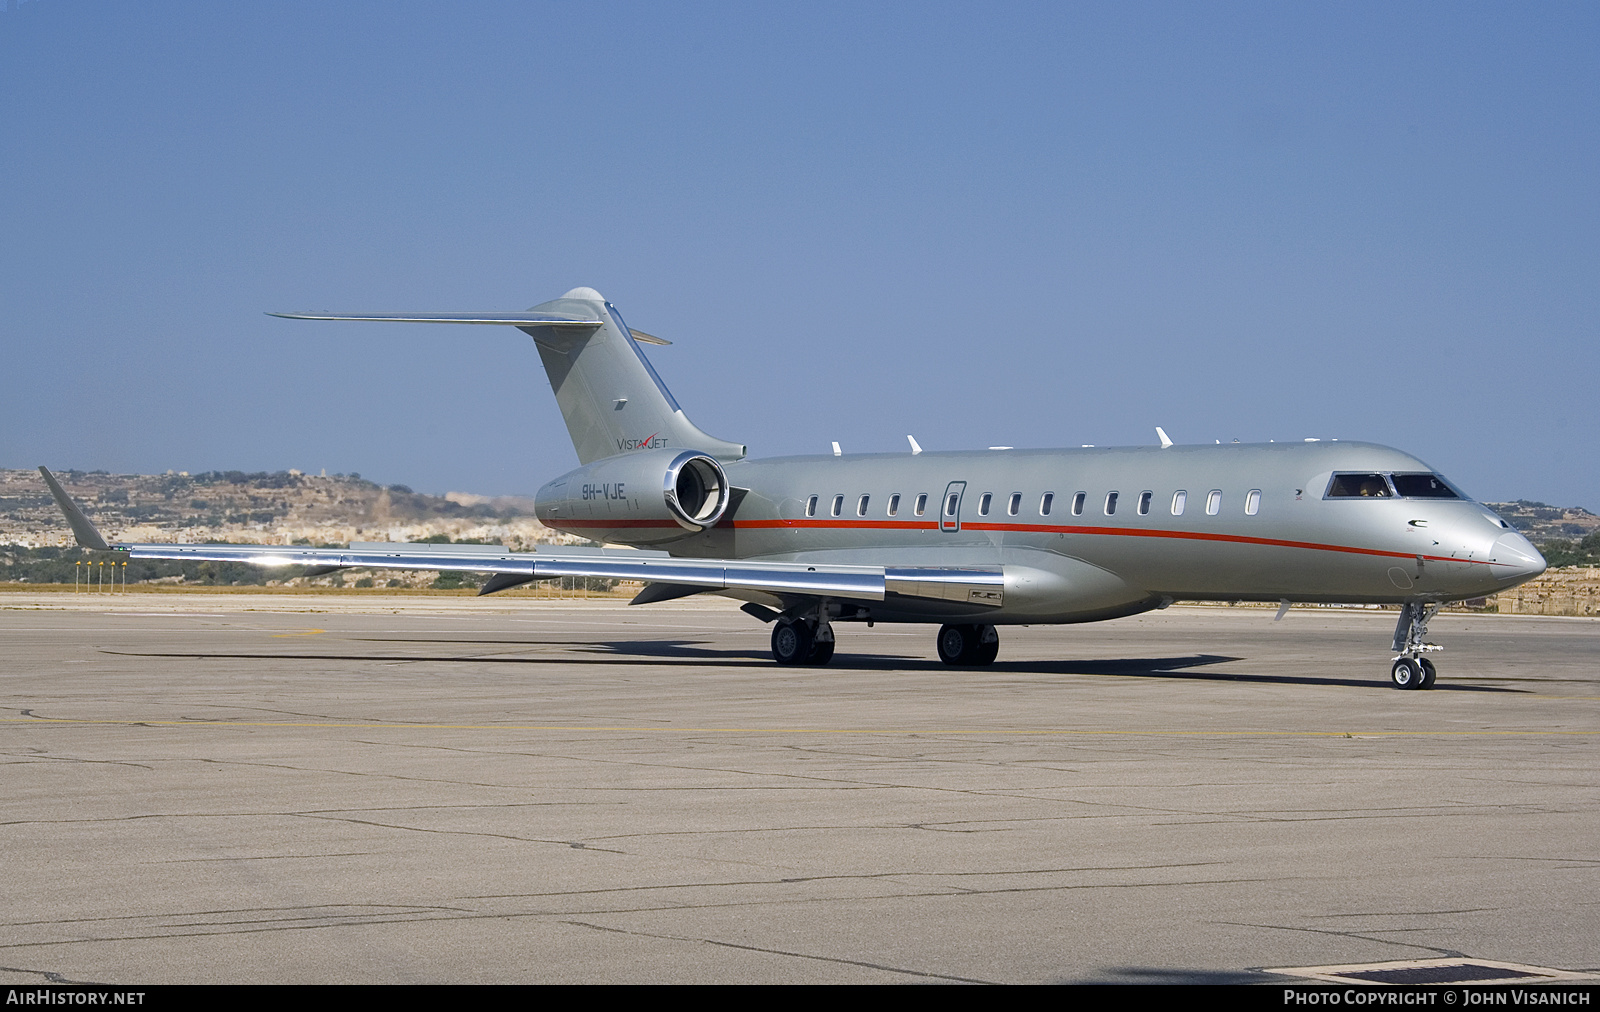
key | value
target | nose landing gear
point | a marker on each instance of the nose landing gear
(1413, 670)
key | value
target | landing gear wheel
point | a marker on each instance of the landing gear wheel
(1429, 673)
(956, 643)
(1406, 674)
(821, 653)
(792, 642)
(968, 645)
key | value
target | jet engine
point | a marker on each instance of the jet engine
(637, 498)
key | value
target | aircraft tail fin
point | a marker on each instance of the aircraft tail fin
(609, 394)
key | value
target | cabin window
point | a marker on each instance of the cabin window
(861, 506)
(922, 504)
(1144, 503)
(1252, 502)
(1045, 503)
(1358, 486)
(1213, 501)
(983, 504)
(1424, 486)
(1111, 503)
(950, 504)
(811, 506)
(1180, 499)
(1015, 504)
(838, 505)
(894, 504)
(1077, 503)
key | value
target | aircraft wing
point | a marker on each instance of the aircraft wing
(983, 586)
(861, 583)
(548, 563)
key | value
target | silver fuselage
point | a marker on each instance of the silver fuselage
(1064, 566)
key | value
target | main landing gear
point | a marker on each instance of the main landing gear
(801, 641)
(1412, 670)
(968, 645)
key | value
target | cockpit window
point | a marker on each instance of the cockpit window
(1358, 486)
(1424, 486)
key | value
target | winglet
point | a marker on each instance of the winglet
(916, 448)
(1165, 441)
(82, 529)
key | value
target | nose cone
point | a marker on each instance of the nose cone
(1515, 559)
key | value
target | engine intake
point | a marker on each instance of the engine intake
(696, 490)
(637, 498)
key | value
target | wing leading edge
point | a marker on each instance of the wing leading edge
(861, 583)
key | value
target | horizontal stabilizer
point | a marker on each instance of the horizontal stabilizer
(491, 319)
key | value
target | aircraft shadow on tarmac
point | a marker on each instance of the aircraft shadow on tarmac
(1122, 667)
(695, 653)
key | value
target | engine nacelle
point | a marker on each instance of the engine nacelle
(637, 498)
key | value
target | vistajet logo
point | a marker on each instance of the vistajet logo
(654, 441)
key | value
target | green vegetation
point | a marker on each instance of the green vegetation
(69, 565)
(594, 584)
(1585, 552)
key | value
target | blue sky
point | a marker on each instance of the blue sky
(1029, 225)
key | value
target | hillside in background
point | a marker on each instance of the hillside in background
(262, 508)
(1542, 522)
(283, 507)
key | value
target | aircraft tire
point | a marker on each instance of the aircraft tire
(1429, 673)
(792, 642)
(987, 652)
(821, 653)
(958, 644)
(1406, 674)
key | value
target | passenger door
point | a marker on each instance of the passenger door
(950, 507)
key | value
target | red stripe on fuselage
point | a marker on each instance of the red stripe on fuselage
(841, 525)
(928, 525)
(609, 525)
(1125, 532)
